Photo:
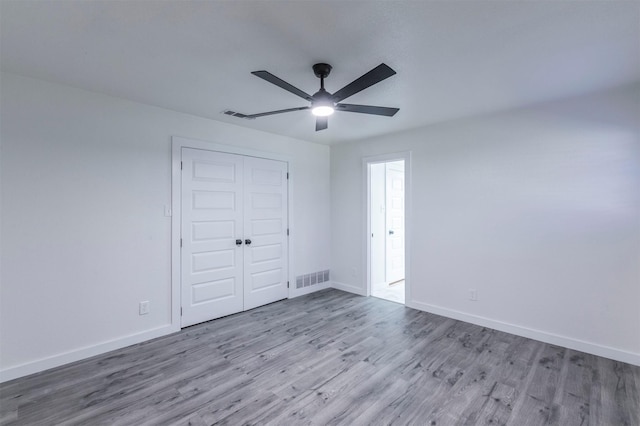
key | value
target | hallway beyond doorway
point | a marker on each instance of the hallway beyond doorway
(386, 205)
(393, 292)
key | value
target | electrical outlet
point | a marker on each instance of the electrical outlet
(473, 294)
(143, 308)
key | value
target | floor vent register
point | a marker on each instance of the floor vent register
(312, 279)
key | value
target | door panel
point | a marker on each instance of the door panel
(212, 219)
(395, 221)
(265, 199)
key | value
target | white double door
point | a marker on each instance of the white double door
(234, 233)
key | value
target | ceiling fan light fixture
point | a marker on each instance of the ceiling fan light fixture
(322, 110)
(322, 104)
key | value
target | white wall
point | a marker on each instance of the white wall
(538, 209)
(85, 178)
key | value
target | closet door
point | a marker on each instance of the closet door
(212, 221)
(265, 213)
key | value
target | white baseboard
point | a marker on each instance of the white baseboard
(83, 353)
(349, 288)
(543, 336)
(89, 351)
(295, 292)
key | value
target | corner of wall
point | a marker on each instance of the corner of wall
(348, 288)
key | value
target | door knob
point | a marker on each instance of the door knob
(247, 241)
(238, 242)
(391, 232)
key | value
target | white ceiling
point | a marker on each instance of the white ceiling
(453, 58)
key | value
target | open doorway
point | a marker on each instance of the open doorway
(387, 230)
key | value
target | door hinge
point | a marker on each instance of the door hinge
(181, 311)
(181, 165)
(287, 284)
(180, 242)
(287, 231)
(287, 175)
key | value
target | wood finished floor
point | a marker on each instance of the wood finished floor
(331, 358)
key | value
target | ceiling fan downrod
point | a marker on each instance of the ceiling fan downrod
(322, 71)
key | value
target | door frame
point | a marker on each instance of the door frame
(177, 143)
(366, 167)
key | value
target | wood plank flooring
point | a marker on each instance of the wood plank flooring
(331, 358)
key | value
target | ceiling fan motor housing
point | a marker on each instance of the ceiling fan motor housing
(322, 96)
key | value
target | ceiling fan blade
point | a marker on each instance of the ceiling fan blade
(368, 109)
(262, 114)
(374, 76)
(265, 75)
(322, 123)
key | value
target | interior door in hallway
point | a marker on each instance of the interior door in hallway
(395, 221)
(212, 221)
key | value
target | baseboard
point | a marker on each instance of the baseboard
(89, 351)
(349, 288)
(296, 292)
(83, 353)
(543, 336)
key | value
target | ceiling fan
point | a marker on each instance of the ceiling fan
(323, 103)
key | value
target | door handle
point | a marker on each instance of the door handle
(247, 241)
(238, 242)
(391, 232)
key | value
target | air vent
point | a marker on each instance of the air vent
(312, 279)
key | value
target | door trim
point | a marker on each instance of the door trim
(177, 143)
(366, 229)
